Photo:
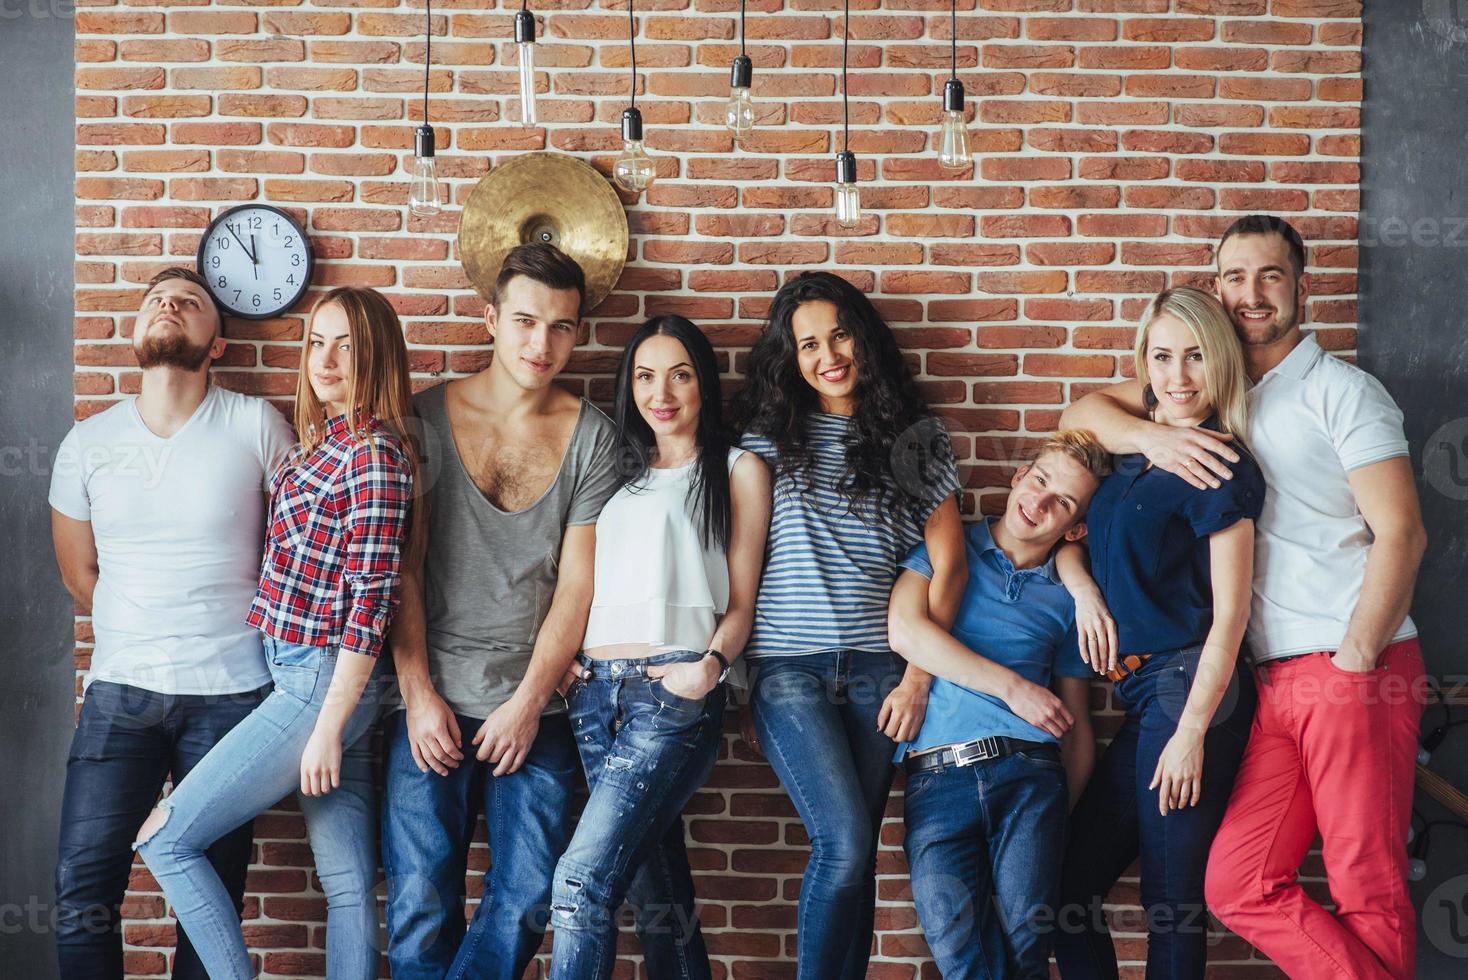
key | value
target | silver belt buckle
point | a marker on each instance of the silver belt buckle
(978, 751)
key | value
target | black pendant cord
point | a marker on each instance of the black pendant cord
(427, 53)
(954, 48)
(632, 44)
(741, 27)
(845, 105)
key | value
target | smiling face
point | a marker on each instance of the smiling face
(1259, 288)
(535, 329)
(329, 363)
(1175, 372)
(1048, 500)
(826, 354)
(665, 388)
(177, 326)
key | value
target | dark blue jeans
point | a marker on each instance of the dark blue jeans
(984, 844)
(646, 751)
(817, 721)
(427, 826)
(127, 741)
(1116, 820)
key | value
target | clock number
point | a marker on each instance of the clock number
(296, 259)
(290, 280)
(277, 296)
(222, 282)
(290, 240)
(255, 222)
(256, 299)
(214, 261)
(237, 296)
(221, 242)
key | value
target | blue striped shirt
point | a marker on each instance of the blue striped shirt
(828, 574)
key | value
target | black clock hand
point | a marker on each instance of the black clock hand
(237, 238)
(253, 253)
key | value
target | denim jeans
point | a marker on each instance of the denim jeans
(427, 826)
(251, 768)
(646, 751)
(1116, 820)
(128, 739)
(817, 721)
(984, 844)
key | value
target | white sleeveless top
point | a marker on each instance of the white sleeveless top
(656, 583)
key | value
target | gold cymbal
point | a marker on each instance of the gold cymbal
(544, 197)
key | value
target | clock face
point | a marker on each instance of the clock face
(256, 260)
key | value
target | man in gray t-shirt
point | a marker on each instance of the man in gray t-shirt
(517, 471)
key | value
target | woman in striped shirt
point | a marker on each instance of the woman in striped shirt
(340, 511)
(863, 473)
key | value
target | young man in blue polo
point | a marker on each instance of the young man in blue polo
(991, 774)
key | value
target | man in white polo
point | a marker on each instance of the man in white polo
(1342, 683)
(158, 516)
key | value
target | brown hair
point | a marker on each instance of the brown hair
(544, 264)
(188, 275)
(378, 388)
(1269, 224)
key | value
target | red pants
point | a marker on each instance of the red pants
(1335, 753)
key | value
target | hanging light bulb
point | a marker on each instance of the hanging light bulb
(525, 41)
(848, 200)
(953, 149)
(634, 170)
(739, 110)
(423, 196)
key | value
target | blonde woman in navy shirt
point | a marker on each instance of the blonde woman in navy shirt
(1175, 564)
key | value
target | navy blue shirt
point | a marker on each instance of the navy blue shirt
(1148, 532)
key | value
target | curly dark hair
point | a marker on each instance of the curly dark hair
(891, 418)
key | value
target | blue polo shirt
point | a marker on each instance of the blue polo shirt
(1148, 532)
(1023, 619)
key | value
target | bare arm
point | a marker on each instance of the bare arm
(433, 730)
(1095, 626)
(1387, 496)
(321, 760)
(76, 556)
(1117, 416)
(1078, 745)
(506, 735)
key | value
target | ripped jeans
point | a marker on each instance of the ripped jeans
(646, 751)
(248, 771)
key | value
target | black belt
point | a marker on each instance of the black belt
(967, 753)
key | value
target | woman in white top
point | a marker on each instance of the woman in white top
(679, 551)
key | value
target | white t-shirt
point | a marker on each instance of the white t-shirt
(1312, 420)
(656, 582)
(179, 525)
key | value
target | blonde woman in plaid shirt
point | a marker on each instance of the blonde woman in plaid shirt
(340, 519)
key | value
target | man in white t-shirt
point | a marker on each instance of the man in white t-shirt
(1342, 683)
(158, 516)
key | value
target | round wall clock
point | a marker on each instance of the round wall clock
(257, 261)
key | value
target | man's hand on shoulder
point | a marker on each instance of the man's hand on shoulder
(1199, 456)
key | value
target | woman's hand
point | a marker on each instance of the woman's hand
(901, 717)
(748, 732)
(1178, 778)
(321, 763)
(1095, 630)
(692, 679)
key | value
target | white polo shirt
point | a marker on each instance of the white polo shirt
(1312, 420)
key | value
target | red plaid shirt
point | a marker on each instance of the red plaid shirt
(333, 553)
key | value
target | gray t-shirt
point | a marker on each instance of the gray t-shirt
(489, 575)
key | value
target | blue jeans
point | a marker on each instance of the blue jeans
(646, 751)
(252, 768)
(1116, 820)
(984, 844)
(427, 826)
(817, 721)
(128, 739)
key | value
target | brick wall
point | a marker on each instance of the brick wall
(1116, 139)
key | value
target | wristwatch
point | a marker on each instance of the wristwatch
(723, 662)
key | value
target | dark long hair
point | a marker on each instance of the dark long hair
(890, 414)
(708, 491)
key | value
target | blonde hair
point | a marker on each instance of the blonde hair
(1081, 446)
(377, 389)
(1223, 356)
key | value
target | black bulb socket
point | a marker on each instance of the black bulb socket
(742, 72)
(524, 26)
(953, 95)
(423, 141)
(846, 167)
(631, 124)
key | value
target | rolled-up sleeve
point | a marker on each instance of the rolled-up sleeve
(378, 489)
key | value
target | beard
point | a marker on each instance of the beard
(1262, 335)
(171, 349)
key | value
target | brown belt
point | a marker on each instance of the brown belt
(1128, 663)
